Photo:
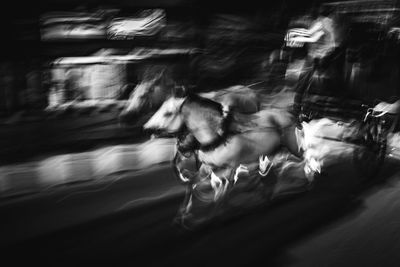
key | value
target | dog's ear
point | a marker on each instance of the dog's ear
(179, 91)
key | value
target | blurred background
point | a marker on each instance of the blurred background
(88, 56)
(67, 69)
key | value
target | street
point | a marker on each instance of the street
(118, 221)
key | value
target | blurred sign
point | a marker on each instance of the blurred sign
(72, 25)
(147, 23)
(99, 25)
(137, 54)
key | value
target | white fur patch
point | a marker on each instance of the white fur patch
(239, 170)
(158, 120)
(218, 185)
(225, 110)
(265, 165)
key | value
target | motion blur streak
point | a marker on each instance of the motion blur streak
(82, 192)
(219, 185)
(167, 194)
(322, 143)
(152, 153)
(95, 167)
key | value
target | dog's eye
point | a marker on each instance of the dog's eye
(168, 114)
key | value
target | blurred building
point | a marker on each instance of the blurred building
(67, 51)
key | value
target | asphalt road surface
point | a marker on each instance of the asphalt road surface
(129, 219)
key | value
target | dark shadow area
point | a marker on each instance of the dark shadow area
(147, 235)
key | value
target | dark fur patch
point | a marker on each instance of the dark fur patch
(196, 108)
